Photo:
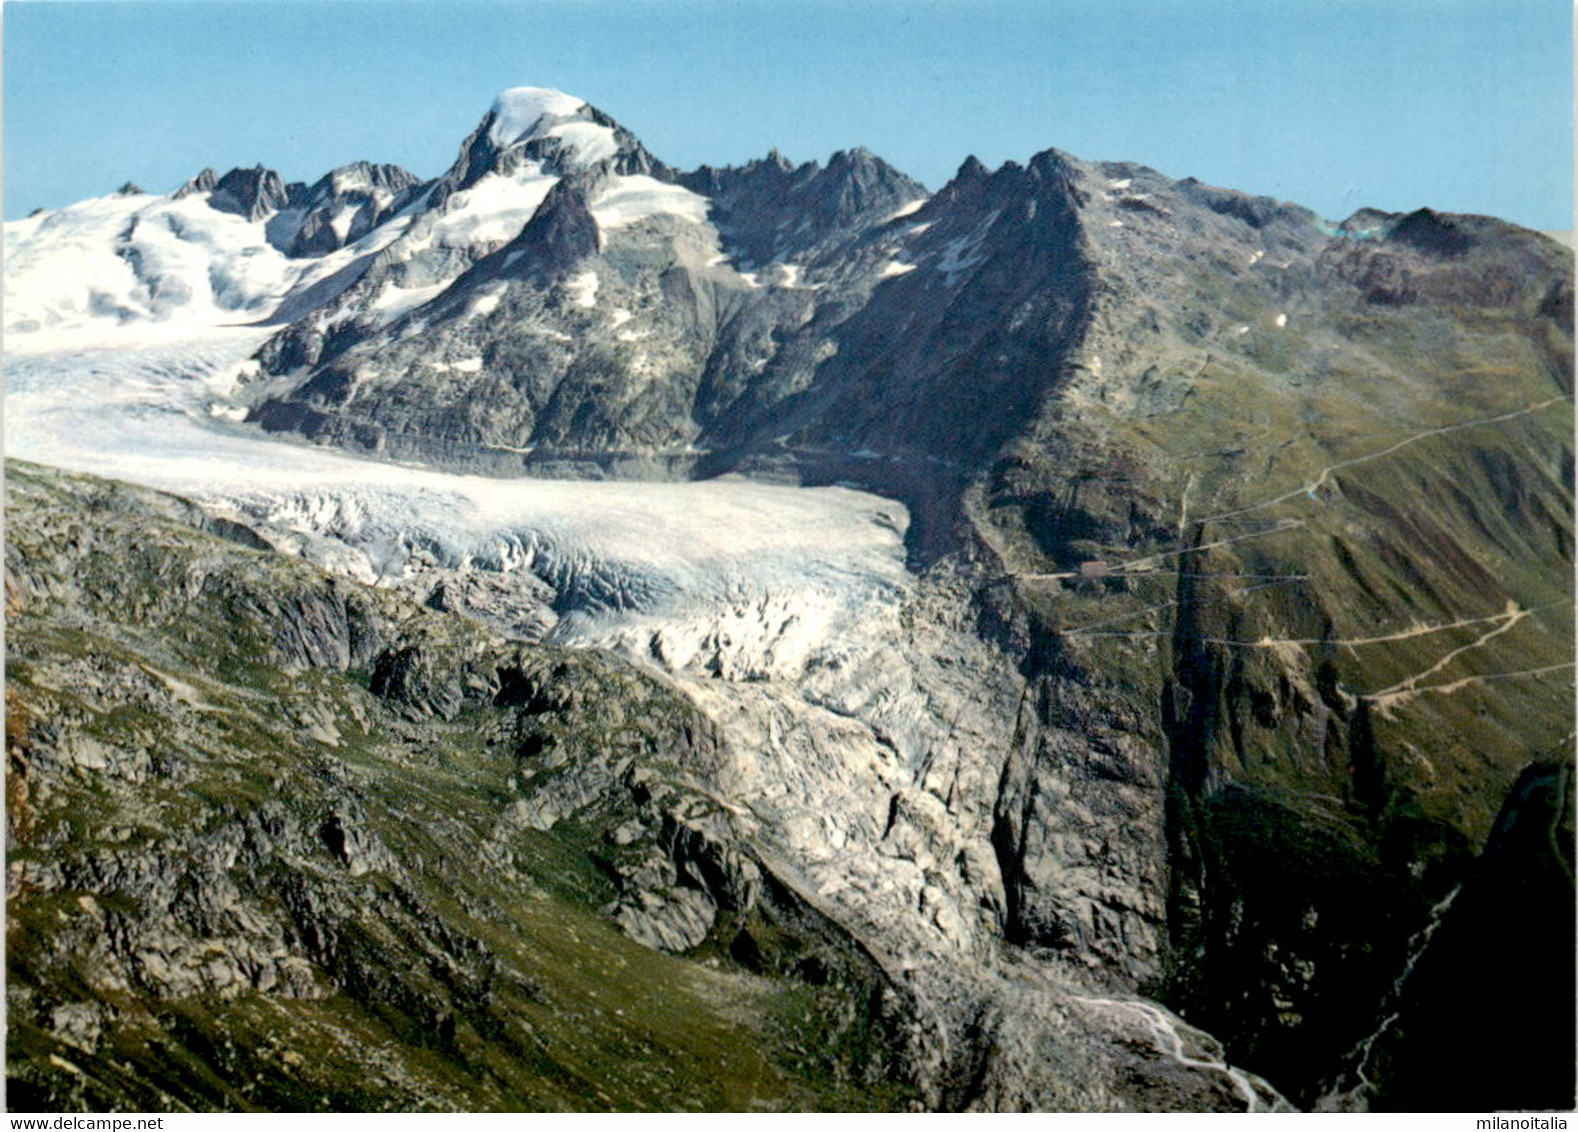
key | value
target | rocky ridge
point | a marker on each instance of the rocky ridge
(1244, 598)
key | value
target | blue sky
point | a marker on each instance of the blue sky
(1463, 105)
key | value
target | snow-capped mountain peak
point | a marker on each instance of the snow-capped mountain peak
(518, 112)
(528, 113)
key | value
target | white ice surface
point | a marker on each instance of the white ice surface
(766, 576)
(629, 199)
(151, 267)
(589, 142)
(494, 210)
(116, 260)
(516, 112)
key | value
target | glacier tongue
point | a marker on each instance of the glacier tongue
(787, 612)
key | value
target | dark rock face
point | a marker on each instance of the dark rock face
(204, 182)
(345, 205)
(255, 193)
(1005, 289)
(560, 234)
(1480, 1024)
(1079, 831)
(771, 210)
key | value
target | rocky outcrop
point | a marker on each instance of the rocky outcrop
(255, 193)
(203, 182)
(343, 206)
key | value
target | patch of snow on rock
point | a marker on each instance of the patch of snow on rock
(909, 209)
(582, 289)
(494, 210)
(961, 254)
(789, 278)
(392, 301)
(590, 142)
(629, 199)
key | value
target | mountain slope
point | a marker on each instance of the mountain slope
(1242, 550)
(324, 868)
(1319, 480)
(282, 841)
(1310, 493)
(601, 331)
